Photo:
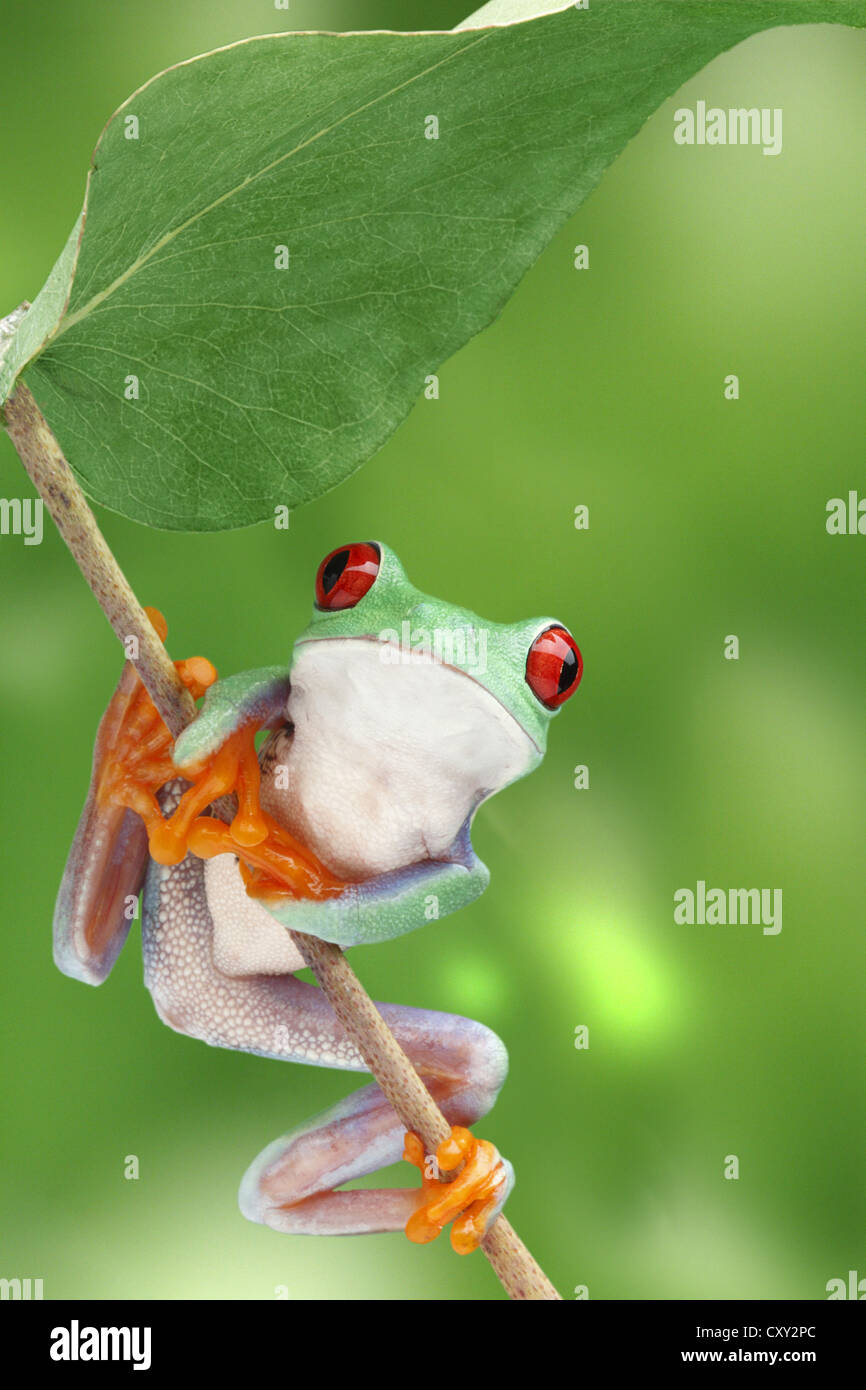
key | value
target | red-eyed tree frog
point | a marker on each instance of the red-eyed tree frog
(397, 717)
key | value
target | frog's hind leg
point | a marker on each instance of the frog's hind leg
(198, 928)
(292, 1185)
(105, 868)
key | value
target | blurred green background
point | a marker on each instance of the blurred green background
(602, 387)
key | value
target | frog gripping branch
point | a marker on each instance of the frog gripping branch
(352, 820)
(108, 867)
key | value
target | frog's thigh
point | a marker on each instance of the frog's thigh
(278, 1015)
(275, 1016)
(247, 940)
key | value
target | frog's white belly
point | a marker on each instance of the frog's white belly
(388, 757)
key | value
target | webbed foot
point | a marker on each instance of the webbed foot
(136, 760)
(273, 863)
(472, 1200)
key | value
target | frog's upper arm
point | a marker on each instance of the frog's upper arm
(258, 695)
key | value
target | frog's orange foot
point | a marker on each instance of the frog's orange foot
(276, 867)
(273, 863)
(138, 758)
(472, 1200)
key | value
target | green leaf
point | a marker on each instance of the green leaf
(258, 385)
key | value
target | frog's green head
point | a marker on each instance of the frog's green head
(529, 668)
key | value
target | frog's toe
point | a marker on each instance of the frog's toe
(471, 1201)
(469, 1229)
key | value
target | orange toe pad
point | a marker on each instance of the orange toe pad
(469, 1200)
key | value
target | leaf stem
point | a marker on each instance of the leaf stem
(518, 1271)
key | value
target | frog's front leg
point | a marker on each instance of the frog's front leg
(198, 929)
(106, 864)
(133, 757)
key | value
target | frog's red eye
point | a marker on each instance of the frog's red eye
(554, 666)
(346, 575)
